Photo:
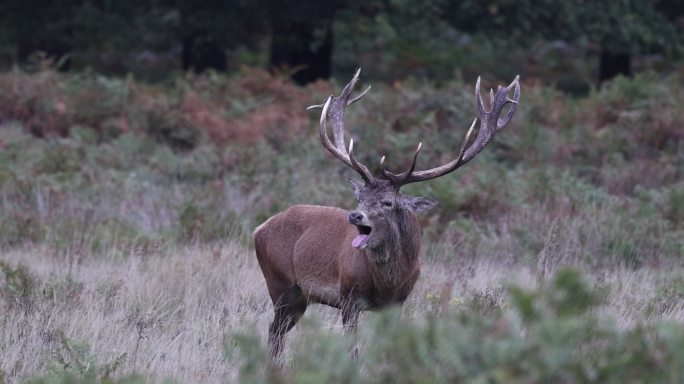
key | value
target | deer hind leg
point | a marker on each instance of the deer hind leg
(289, 307)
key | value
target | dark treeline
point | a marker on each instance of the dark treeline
(167, 35)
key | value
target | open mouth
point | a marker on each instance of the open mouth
(361, 240)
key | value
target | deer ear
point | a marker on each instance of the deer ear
(421, 204)
(358, 185)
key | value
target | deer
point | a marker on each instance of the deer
(366, 259)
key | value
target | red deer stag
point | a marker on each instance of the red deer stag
(368, 258)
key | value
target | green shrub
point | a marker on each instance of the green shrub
(18, 287)
(551, 334)
(74, 361)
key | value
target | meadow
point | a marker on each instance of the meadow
(127, 208)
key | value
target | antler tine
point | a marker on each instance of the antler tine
(398, 179)
(491, 96)
(490, 125)
(350, 102)
(490, 122)
(514, 103)
(478, 98)
(333, 110)
(357, 98)
(360, 168)
(464, 144)
(346, 91)
(323, 132)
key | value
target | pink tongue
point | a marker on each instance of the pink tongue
(358, 240)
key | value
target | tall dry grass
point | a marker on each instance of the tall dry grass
(173, 313)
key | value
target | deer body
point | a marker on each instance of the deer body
(364, 259)
(333, 272)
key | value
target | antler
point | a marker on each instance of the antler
(490, 124)
(333, 110)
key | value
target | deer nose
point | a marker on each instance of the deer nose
(355, 217)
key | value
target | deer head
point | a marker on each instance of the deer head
(383, 209)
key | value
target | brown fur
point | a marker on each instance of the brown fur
(306, 256)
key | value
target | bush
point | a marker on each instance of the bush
(550, 334)
(73, 362)
(18, 287)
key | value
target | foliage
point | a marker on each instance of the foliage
(230, 151)
(621, 26)
(18, 287)
(431, 39)
(244, 107)
(550, 334)
(117, 177)
(74, 361)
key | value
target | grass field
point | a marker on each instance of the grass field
(126, 213)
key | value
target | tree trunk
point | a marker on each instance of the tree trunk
(291, 48)
(200, 48)
(43, 32)
(613, 64)
(201, 51)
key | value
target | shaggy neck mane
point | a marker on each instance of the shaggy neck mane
(397, 255)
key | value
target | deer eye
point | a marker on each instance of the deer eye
(387, 204)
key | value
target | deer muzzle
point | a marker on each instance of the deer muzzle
(360, 220)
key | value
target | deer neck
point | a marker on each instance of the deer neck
(397, 256)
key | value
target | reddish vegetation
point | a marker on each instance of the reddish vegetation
(244, 108)
(251, 106)
(624, 135)
(35, 101)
